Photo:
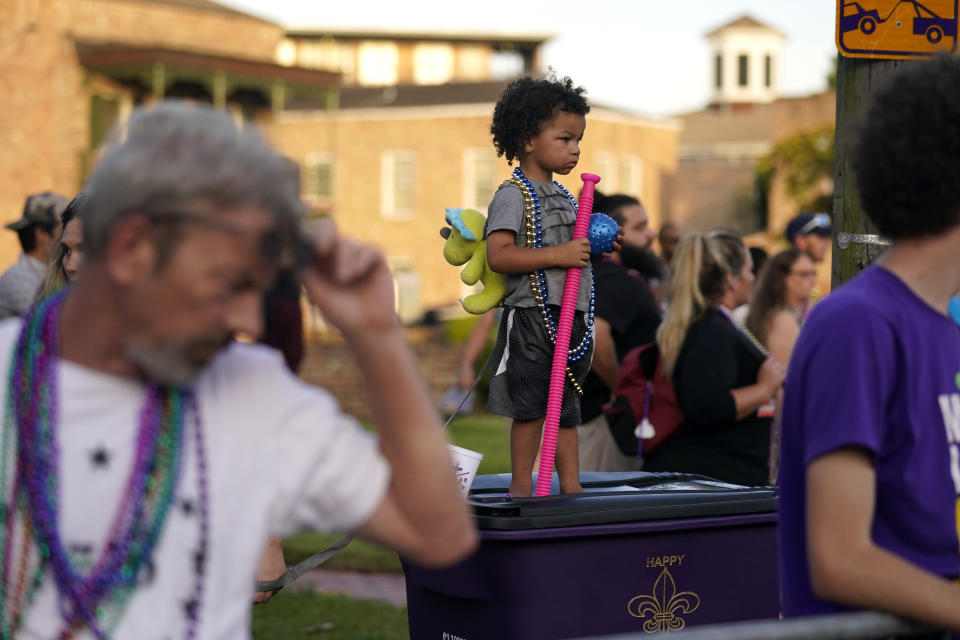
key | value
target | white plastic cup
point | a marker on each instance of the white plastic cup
(465, 464)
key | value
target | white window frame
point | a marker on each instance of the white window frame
(470, 177)
(378, 63)
(389, 208)
(605, 164)
(433, 63)
(312, 160)
(630, 174)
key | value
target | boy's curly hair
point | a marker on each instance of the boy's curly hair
(526, 105)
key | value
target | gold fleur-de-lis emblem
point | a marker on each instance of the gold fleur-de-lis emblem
(664, 606)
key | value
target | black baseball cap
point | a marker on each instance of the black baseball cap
(806, 223)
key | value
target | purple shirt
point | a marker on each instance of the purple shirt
(878, 369)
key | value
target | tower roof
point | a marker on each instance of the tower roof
(744, 21)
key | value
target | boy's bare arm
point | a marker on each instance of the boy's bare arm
(846, 566)
(504, 256)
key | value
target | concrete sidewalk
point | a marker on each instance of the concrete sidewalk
(387, 587)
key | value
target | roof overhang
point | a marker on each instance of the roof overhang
(113, 56)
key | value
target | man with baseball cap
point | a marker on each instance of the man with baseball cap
(36, 230)
(810, 232)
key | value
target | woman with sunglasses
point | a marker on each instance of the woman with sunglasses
(779, 300)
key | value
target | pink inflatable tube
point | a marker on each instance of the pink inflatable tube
(558, 373)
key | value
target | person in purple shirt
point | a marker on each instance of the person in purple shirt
(870, 475)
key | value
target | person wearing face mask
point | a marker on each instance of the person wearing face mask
(720, 375)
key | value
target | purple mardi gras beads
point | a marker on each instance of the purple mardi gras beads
(32, 398)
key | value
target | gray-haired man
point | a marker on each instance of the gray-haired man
(176, 451)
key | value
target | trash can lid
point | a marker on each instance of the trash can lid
(617, 498)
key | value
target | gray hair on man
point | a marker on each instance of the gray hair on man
(172, 158)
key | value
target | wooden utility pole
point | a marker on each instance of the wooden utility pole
(855, 240)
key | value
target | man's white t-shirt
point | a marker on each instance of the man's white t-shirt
(280, 457)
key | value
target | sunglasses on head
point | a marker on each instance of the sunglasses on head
(818, 221)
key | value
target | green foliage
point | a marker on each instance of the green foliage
(805, 163)
(294, 615)
(457, 330)
(485, 433)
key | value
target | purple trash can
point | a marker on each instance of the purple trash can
(637, 552)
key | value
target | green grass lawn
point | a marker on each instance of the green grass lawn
(298, 615)
(481, 432)
(305, 614)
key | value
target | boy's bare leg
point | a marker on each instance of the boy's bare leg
(524, 444)
(568, 461)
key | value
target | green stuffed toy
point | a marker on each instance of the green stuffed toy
(465, 244)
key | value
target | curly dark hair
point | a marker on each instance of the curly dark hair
(906, 157)
(526, 105)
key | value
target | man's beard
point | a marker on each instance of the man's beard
(175, 364)
(642, 260)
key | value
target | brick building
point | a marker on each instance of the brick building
(721, 144)
(73, 68)
(389, 128)
(387, 172)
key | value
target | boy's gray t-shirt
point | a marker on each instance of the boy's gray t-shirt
(558, 216)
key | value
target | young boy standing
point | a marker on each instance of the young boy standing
(539, 123)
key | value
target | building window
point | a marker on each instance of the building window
(767, 71)
(606, 167)
(318, 178)
(479, 178)
(719, 71)
(631, 176)
(432, 63)
(406, 288)
(505, 64)
(472, 63)
(104, 114)
(325, 53)
(378, 63)
(397, 185)
(742, 70)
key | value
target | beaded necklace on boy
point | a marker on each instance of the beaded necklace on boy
(98, 598)
(533, 222)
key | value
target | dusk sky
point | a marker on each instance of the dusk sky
(646, 56)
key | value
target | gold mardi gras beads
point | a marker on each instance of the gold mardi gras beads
(534, 282)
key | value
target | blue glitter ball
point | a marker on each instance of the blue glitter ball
(602, 233)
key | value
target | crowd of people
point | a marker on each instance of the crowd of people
(156, 429)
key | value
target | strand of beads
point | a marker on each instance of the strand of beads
(746, 332)
(86, 600)
(533, 224)
(203, 489)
